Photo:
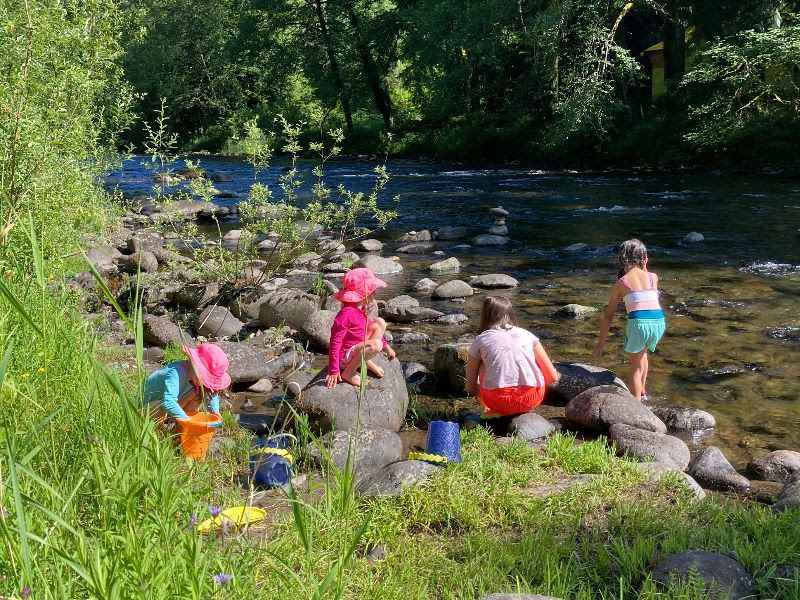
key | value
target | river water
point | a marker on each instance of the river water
(732, 301)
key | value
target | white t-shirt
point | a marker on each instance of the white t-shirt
(508, 359)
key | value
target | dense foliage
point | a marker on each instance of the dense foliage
(562, 80)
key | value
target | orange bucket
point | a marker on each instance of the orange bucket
(196, 433)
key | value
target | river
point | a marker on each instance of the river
(732, 301)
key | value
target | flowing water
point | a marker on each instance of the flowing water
(732, 301)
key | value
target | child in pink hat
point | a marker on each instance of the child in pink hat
(353, 332)
(181, 386)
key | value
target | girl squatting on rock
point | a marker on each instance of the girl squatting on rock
(638, 289)
(353, 331)
(507, 368)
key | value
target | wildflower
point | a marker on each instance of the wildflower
(192, 521)
(40, 370)
(214, 510)
(25, 375)
(26, 592)
(51, 277)
(223, 578)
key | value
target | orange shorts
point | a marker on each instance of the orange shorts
(511, 400)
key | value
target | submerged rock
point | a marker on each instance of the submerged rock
(690, 420)
(780, 465)
(392, 479)
(493, 281)
(649, 445)
(599, 408)
(450, 264)
(576, 378)
(573, 311)
(454, 319)
(718, 571)
(712, 470)
(693, 237)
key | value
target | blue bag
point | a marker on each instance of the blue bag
(271, 460)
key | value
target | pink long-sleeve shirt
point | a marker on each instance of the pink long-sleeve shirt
(349, 328)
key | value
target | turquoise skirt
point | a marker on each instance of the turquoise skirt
(643, 333)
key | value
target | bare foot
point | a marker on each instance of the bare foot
(354, 380)
(374, 369)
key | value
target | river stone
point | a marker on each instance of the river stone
(691, 420)
(498, 230)
(449, 264)
(692, 238)
(454, 319)
(246, 302)
(218, 322)
(573, 311)
(450, 366)
(411, 337)
(296, 382)
(656, 469)
(718, 571)
(649, 445)
(154, 355)
(246, 363)
(493, 281)
(448, 232)
(190, 209)
(233, 236)
(410, 314)
(143, 261)
(287, 306)
(370, 245)
(379, 265)
(262, 386)
(416, 248)
(425, 285)
(790, 495)
(103, 258)
(530, 426)
(331, 249)
(576, 378)
(599, 408)
(267, 245)
(372, 450)
(453, 289)
(145, 239)
(713, 471)
(221, 177)
(416, 236)
(288, 360)
(499, 211)
(317, 329)
(307, 260)
(383, 407)
(515, 596)
(392, 479)
(487, 239)
(160, 331)
(399, 302)
(780, 465)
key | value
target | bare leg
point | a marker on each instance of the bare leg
(636, 374)
(645, 369)
(371, 348)
(375, 333)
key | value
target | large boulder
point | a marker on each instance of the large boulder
(598, 408)
(218, 322)
(719, 572)
(287, 306)
(317, 329)
(493, 281)
(383, 407)
(649, 445)
(576, 378)
(690, 420)
(246, 363)
(370, 450)
(379, 265)
(790, 495)
(160, 331)
(713, 471)
(453, 289)
(395, 477)
(780, 465)
(450, 366)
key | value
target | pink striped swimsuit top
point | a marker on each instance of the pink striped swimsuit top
(640, 300)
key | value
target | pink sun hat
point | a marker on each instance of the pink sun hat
(211, 365)
(357, 284)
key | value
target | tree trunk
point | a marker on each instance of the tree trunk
(379, 93)
(337, 74)
(674, 43)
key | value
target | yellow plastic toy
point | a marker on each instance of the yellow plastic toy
(234, 516)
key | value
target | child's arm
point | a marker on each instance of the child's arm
(172, 386)
(616, 295)
(471, 382)
(545, 364)
(338, 331)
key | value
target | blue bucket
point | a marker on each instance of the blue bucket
(271, 461)
(444, 440)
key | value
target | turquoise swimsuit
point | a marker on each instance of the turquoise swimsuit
(170, 386)
(646, 323)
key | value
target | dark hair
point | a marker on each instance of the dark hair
(496, 312)
(632, 253)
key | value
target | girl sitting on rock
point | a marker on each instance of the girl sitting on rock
(507, 368)
(353, 332)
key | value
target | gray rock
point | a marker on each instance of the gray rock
(104, 258)
(598, 408)
(449, 364)
(143, 261)
(287, 306)
(399, 302)
(160, 331)
(417, 248)
(493, 281)
(145, 239)
(487, 239)
(576, 378)
(246, 363)
(453, 289)
(579, 247)
(411, 337)
(233, 236)
(454, 319)
(297, 381)
(252, 275)
(416, 236)
(218, 322)
(246, 302)
(194, 295)
(334, 267)
(656, 469)
(383, 407)
(450, 233)
(530, 426)
(499, 211)
(378, 553)
(316, 329)
(498, 230)
(331, 249)
(370, 450)
(413, 372)
(379, 265)
(690, 420)
(443, 266)
(307, 260)
(410, 314)
(713, 471)
(190, 209)
(153, 354)
(573, 311)
(718, 571)
(780, 465)
(692, 238)
(790, 495)
(267, 245)
(649, 445)
(221, 177)
(425, 285)
(288, 360)
(392, 479)
(262, 386)
(370, 245)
